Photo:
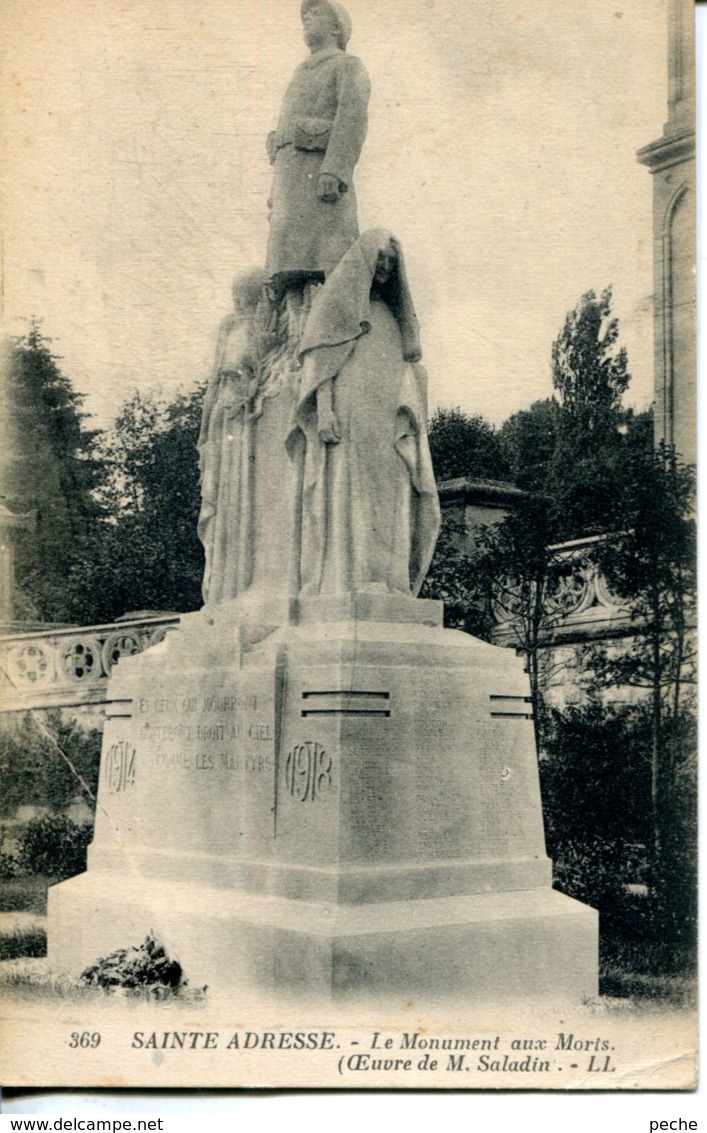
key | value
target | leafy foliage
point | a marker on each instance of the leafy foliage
(32, 771)
(8, 866)
(452, 579)
(596, 786)
(593, 872)
(465, 446)
(147, 555)
(528, 441)
(49, 468)
(595, 779)
(588, 371)
(590, 375)
(54, 846)
(651, 565)
(516, 572)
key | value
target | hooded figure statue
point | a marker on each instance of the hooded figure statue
(225, 523)
(314, 150)
(367, 512)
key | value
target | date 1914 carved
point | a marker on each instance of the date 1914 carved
(120, 765)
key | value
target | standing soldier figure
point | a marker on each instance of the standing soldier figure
(314, 150)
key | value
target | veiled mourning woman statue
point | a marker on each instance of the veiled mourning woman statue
(225, 520)
(367, 512)
(247, 480)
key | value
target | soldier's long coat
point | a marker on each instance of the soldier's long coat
(322, 128)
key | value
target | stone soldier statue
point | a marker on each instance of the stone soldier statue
(314, 150)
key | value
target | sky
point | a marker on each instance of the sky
(500, 150)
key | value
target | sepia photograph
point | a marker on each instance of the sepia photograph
(348, 708)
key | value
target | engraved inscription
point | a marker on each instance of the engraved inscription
(121, 767)
(207, 735)
(164, 705)
(308, 771)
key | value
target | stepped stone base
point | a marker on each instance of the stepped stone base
(331, 799)
(533, 943)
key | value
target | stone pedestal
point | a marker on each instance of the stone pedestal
(334, 798)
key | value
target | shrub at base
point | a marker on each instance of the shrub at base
(592, 871)
(54, 846)
(8, 866)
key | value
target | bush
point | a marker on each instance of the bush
(33, 773)
(8, 866)
(54, 846)
(592, 872)
(595, 778)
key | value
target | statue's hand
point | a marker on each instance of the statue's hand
(328, 188)
(328, 429)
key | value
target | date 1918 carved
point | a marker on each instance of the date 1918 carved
(308, 771)
(121, 767)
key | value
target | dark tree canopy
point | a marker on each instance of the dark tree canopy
(528, 441)
(588, 792)
(465, 446)
(147, 556)
(49, 468)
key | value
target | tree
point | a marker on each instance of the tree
(528, 441)
(146, 554)
(651, 566)
(595, 781)
(519, 578)
(452, 579)
(46, 765)
(569, 453)
(465, 446)
(50, 467)
(590, 374)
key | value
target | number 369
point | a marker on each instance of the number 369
(84, 1039)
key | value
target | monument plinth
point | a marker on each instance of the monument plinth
(348, 806)
(311, 788)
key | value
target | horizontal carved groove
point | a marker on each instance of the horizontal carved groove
(347, 693)
(512, 715)
(345, 712)
(500, 696)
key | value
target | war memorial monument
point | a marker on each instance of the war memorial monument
(311, 788)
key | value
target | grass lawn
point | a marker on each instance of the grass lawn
(652, 970)
(24, 895)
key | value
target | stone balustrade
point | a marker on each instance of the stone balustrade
(65, 667)
(70, 666)
(579, 607)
